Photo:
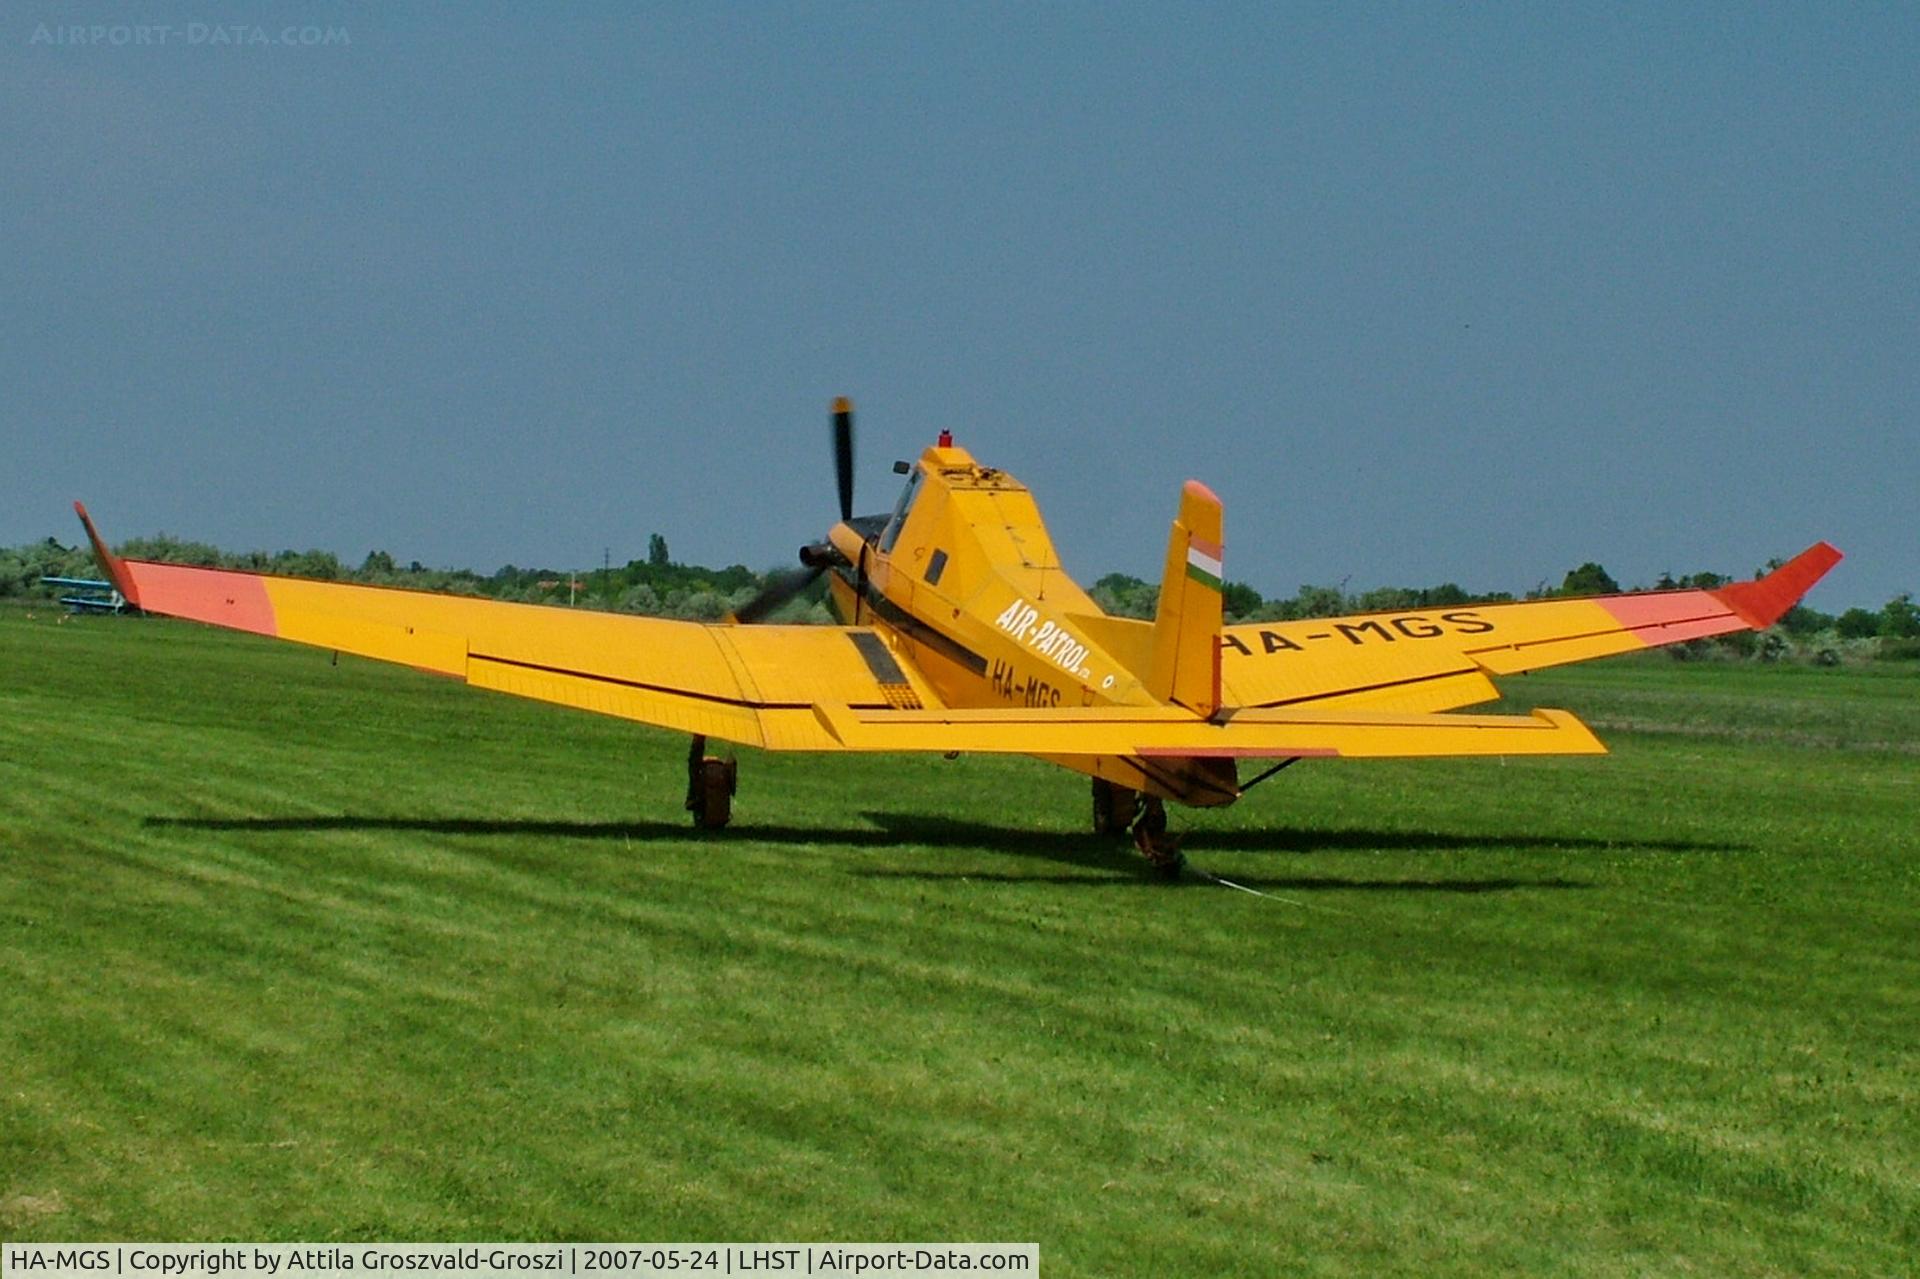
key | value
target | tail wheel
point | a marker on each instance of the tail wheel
(1113, 807)
(1161, 850)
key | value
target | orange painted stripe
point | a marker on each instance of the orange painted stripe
(1669, 617)
(215, 596)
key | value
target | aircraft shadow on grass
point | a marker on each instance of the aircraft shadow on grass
(1104, 853)
(1085, 851)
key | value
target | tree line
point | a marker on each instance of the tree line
(657, 586)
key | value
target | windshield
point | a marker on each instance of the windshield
(889, 534)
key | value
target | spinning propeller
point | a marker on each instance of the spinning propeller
(815, 558)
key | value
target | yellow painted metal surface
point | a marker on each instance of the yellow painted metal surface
(1430, 659)
(1185, 659)
(728, 682)
(1147, 731)
(964, 633)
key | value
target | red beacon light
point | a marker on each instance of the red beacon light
(946, 439)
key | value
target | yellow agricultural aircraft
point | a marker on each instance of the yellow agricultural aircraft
(961, 632)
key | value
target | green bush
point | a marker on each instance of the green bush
(1900, 619)
(1857, 623)
(1904, 648)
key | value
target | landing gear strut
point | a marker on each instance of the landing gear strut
(1117, 809)
(710, 786)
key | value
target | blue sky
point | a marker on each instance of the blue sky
(1425, 293)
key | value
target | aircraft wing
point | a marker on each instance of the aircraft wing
(756, 685)
(1440, 658)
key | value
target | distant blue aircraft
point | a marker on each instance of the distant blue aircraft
(90, 596)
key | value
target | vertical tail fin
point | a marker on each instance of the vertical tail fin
(1186, 630)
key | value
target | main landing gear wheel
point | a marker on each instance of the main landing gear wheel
(1161, 850)
(1113, 807)
(710, 785)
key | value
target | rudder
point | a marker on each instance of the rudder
(1186, 628)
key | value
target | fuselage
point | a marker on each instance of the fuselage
(964, 582)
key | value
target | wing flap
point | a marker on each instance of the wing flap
(663, 708)
(1515, 659)
(1443, 692)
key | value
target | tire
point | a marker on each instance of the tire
(712, 799)
(1113, 807)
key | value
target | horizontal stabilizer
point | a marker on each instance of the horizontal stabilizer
(1234, 734)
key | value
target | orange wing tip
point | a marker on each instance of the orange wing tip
(1760, 604)
(109, 562)
(841, 404)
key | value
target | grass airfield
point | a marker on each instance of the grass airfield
(291, 950)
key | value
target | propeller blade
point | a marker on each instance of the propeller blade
(777, 591)
(843, 453)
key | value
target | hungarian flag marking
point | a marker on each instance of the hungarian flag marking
(1203, 562)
